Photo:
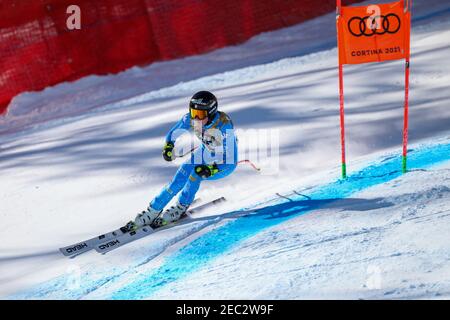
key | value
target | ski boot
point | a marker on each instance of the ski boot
(142, 219)
(170, 215)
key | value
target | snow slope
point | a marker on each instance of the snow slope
(350, 248)
(77, 160)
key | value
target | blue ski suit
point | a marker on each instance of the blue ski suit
(219, 146)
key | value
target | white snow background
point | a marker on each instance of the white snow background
(81, 158)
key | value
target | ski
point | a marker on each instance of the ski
(84, 246)
(130, 236)
(207, 204)
(125, 238)
(87, 245)
(107, 242)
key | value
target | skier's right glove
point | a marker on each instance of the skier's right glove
(206, 171)
(168, 151)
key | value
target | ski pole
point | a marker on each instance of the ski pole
(185, 154)
(250, 163)
(239, 162)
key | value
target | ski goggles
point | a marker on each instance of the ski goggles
(199, 114)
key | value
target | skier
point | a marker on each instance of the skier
(215, 159)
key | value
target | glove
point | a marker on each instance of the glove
(206, 171)
(168, 151)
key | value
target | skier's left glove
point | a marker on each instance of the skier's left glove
(206, 171)
(168, 151)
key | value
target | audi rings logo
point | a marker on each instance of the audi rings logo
(372, 25)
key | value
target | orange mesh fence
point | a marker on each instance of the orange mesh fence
(37, 49)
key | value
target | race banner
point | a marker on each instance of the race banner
(373, 33)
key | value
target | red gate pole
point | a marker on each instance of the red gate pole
(406, 107)
(341, 111)
(405, 121)
(341, 95)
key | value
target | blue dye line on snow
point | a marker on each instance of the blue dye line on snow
(206, 248)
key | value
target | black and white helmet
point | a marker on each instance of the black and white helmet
(203, 103)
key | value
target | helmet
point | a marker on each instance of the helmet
(203, 104)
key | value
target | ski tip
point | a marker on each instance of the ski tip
(66, 253)
(71, 255)
(219, 200)
(63, 252)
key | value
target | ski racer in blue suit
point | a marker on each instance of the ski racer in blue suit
(215, 159)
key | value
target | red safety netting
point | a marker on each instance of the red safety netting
(38, 50)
